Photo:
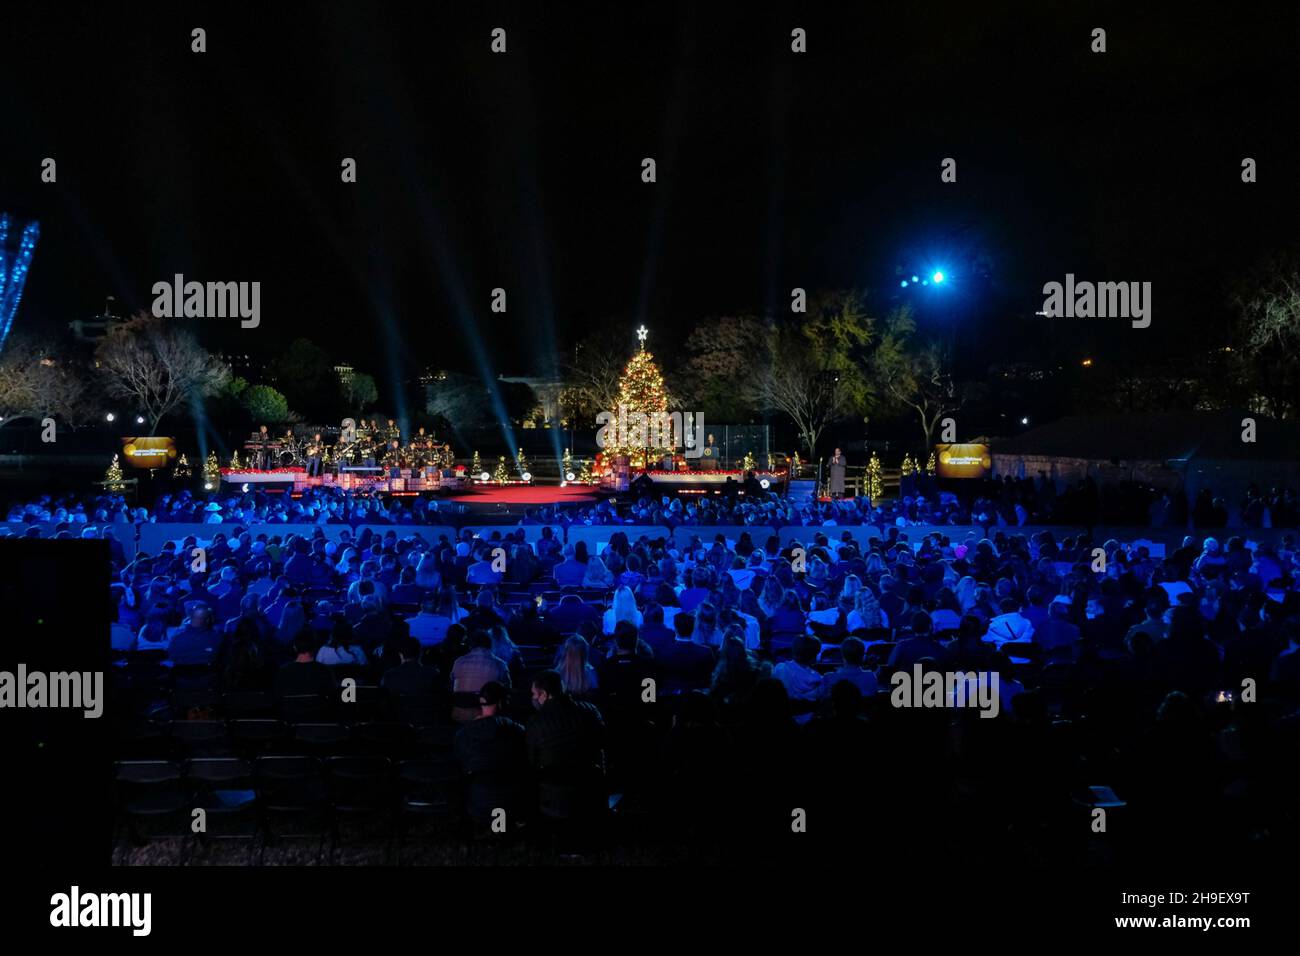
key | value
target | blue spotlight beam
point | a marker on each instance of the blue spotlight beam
(13, 272)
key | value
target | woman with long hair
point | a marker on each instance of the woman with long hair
(623, 608)
(597, 575)
(769, 600)
(576, 675)
(866, 613)
(342, 647)
(735, 673)
(965, 592)
(706, 626)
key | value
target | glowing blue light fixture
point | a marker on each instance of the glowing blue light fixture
(13, 271)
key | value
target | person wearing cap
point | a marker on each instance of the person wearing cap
(492, 750)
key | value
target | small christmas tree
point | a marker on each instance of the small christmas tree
(875, 485)
(502, 473)
(748, 463)
(234, 461)
(521, 463)
(796, 466)
(182, 469)
(909, 466)
(475, 467)
(930, 465)
(113, 476)
(567, 466)
(211, 471)
(585, 475)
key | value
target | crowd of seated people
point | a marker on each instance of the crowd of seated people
(994, 503)
(711, 685)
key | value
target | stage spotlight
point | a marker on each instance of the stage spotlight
(527, 476)
(570, 477)
(484, 476)
(916, 278)
(1025, 420)
(244, 487)
(564, 484)
(764, 484)
(207, 486)
(938, 278)
(903, 284)
(139, 419)
(109, 417)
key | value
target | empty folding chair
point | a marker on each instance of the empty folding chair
(293, 798)
(225, 790)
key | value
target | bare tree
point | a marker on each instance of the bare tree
(592, 378)
(37, 383)
(158, 366)
(799, 385)
(914, 374)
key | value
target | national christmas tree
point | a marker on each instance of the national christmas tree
(641, 389)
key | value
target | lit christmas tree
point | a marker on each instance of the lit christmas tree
(585, 476)
(567, 466)
(748, 463)
(475, 467)
(930, 465)
(234, 461)
(909, 466)
(182, 469)
(875, 485)
(502, 473)
(641, 389)
(211, 471)
(113, 476)
(521, 463)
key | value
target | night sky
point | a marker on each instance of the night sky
(523, 171)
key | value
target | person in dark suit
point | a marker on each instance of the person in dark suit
(571, 613)
(410, 678)
(685, 665)
(493, 752)
(654, 632)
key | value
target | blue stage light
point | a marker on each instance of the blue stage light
(938, 278)
(903, 283)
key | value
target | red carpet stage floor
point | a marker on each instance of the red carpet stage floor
(528, 495)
